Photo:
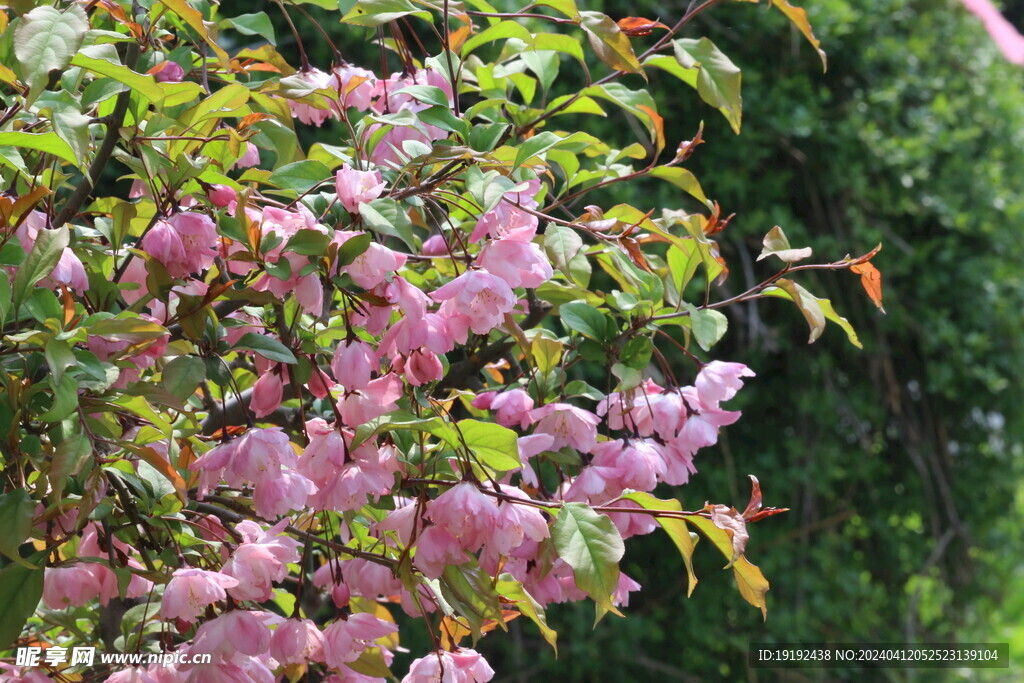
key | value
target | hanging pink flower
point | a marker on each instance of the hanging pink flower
(297, 641)
(191, 590)
(267, 393)
(185, 243)
(718, 381)
(357, 187)
(259, 561)
(568, 425)
(476, 300)
(520, 264)
(462, 666)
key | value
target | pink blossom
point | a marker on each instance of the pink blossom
(718, 381)
(261, 560)
(375, 400)
(354, 85)
(267, 393)
(701, 427)
(371, 268)
(520, 264)
(297, 641)
(476, 300)
(369, 474)
(222, 196)
(429, 332)
(238, 632)
(434, 246)
(353, 363)
(568, 425)
(191, 590)
(436, 549)
(69, 270)
(69, 586)
(357, 187)
(345, 639)
(467, 513)
(422, 367)
(507, 219)
(462, 666)
(250, 157)
(516, 523)
(168, 72)
(640, 462)
(185, 243)
(512, 407)
(632, 524)
(314, 79)
(1005, 35)
(278, 493)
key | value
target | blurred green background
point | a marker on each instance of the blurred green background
(902, 462)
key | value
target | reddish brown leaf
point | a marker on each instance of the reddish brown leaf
(638, 26)
(755, 512)
(687, 147)
(635, 255)
(871, 279)
(252, 118)
(659, 128)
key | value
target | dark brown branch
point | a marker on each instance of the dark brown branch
(99, 162)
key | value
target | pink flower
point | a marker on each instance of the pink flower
(69, 586)
(353, 363)
(185, 243)
(354, 85)
(1005, 35)
(69, 270)
(297, 641)
(434, 246)
(512, 408)
(515, 523)
(168, 72)
(250, 157)
(520, 264)
(639, 462)
(463, 666)
(375, 400)
(191, 590)
(267, 393)
(261, 560)
(315, 79)
(568, 425)
(233, 633)
(429, 332)
(718, 381)
(345, 639)
(465, 512)
(222, 196)
(280, 492)
(507, 220)
(371, 268)
(701, 427)
(475, 300)
(422, 367)
(357, 187)
(436, 549)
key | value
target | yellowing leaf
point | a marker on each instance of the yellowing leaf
(752, 584)
(611, 45)
(799, 18)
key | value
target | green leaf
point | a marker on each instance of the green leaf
(387, 217)
(544, 141)
(377, 12)
(21, 589)
(59, 357)
(46, 251)
(308, 243)
(353, 247)
(45, 40)
(48, 143)
(566, 7)
(130, 328)
(611, 45)
(68, 459)
(492, 444)
(546, 353)
(676, 529)
(510, 589)
(775, 243)
(806, 302)
(428, 94)
(562, 244)
(585, 319)
(300, 176)
(718, 82)
(181, 377)
(499, 31)
(590, 543)
(16, 511)
(269, 348)
(256, 24)
(470, 590)
(708, 326)
(683, 179)
(637, 352)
